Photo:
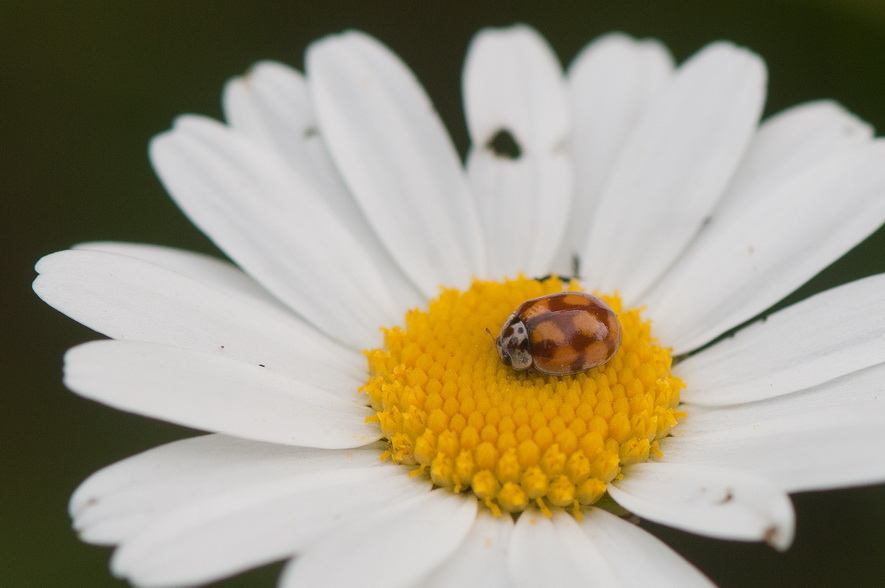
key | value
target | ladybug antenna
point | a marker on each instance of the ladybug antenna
(490, 333)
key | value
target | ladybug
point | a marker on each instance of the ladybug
(560, 334)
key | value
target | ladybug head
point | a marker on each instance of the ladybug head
(513, 344)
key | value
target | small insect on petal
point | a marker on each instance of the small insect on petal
(560, 334)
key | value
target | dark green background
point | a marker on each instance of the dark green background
(84, 85)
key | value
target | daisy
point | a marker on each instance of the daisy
(362, 424)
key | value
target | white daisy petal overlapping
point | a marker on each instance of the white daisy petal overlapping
(342, 201)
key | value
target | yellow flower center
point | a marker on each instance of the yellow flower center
(448, 406)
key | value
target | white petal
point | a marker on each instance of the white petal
(277, 228)
(481, 560)
(513, 84)
(395, 156)
(211, 271)
(825, 437)
(611, 83)
(638, 558)
(133, 300)
(823, 456)
(716, 502)
(674, 168)
(821, 338)
(768, 249)
(789, 143)
(216, 394)
(124, 498)
(857, 392)
(271, 105)
(554, 552)
(217, 536)
(394, 546)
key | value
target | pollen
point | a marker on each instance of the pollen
(450, 409)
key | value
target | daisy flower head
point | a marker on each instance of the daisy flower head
(342, 364)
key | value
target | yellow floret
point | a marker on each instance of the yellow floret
(446, 404)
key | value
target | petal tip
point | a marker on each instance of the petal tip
(780, 538)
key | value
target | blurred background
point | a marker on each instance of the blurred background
(83, 86)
